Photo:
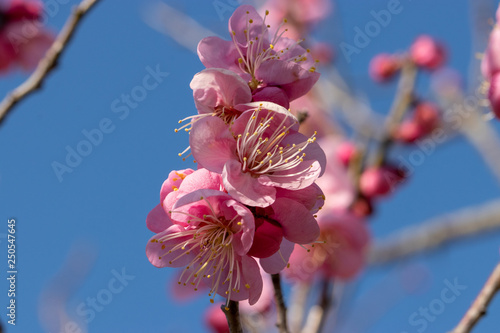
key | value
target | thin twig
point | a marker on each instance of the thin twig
(437, 232)
(232, 313)
(480, 305)
(402, 102)
(280, 304)
(48, 62)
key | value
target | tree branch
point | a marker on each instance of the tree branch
(233, 316)
(437, 232)
(480, 305)
(48, 62)
(280, 304)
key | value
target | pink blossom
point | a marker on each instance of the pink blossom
(339, 253)
(212, 244)
(22, 41)
(258, 59)
(426, 52)
(383, 67)
(262, 151)
(158, 219)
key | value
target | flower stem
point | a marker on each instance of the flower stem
(233, 316)
(280, 304)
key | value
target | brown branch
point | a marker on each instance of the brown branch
(480, 305)
(280, 304)
(437, 232)
(48, 62)
(232, 313)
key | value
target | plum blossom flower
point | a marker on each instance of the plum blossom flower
(212, 245)
(262, 151)
(340, 252)
(22, 41)
(261, 60)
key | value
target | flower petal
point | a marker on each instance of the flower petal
(158, 252)
(211, 143)
(299, 226)
(214, 87)
(218, 53)
(157, 220)
(278, 261)
(245, 188)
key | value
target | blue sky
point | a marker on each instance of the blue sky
(93, 218)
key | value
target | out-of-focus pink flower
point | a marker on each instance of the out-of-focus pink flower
(336, 182)
(261, 152)
(342, 255)
(426, 52)
(262, 62)
(215, 319)
(380, 181)
(23, 41)
(383, 67)
(300, 12)
(491, 60)
(212, 244)
(494, 94)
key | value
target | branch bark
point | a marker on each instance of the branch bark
(280, 304)
(480, 305)
(48, 62)
(232, 313)
(437, 232)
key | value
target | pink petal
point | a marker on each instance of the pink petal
(299, 226)
(173, 182)
(157, 220)
(211, 143)
(240, 22)
(34, 49)
(267, 239)
(245, 188)
(219, 87)
(245, 236)
(272, 94)
(295, 80)
(217, 53)
(252, 277)
(311, 197)
(157, 252)
(278, 261)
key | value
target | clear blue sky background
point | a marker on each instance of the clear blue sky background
(104, 201)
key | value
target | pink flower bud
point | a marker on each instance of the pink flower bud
(345, 152)
(427, 116)
(380, 181)
(362, 207)
(427, 53)
(408, 132)
(383, 67)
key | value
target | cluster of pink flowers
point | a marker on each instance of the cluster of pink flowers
(254, 194)
(23, 40)
(490, 67)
